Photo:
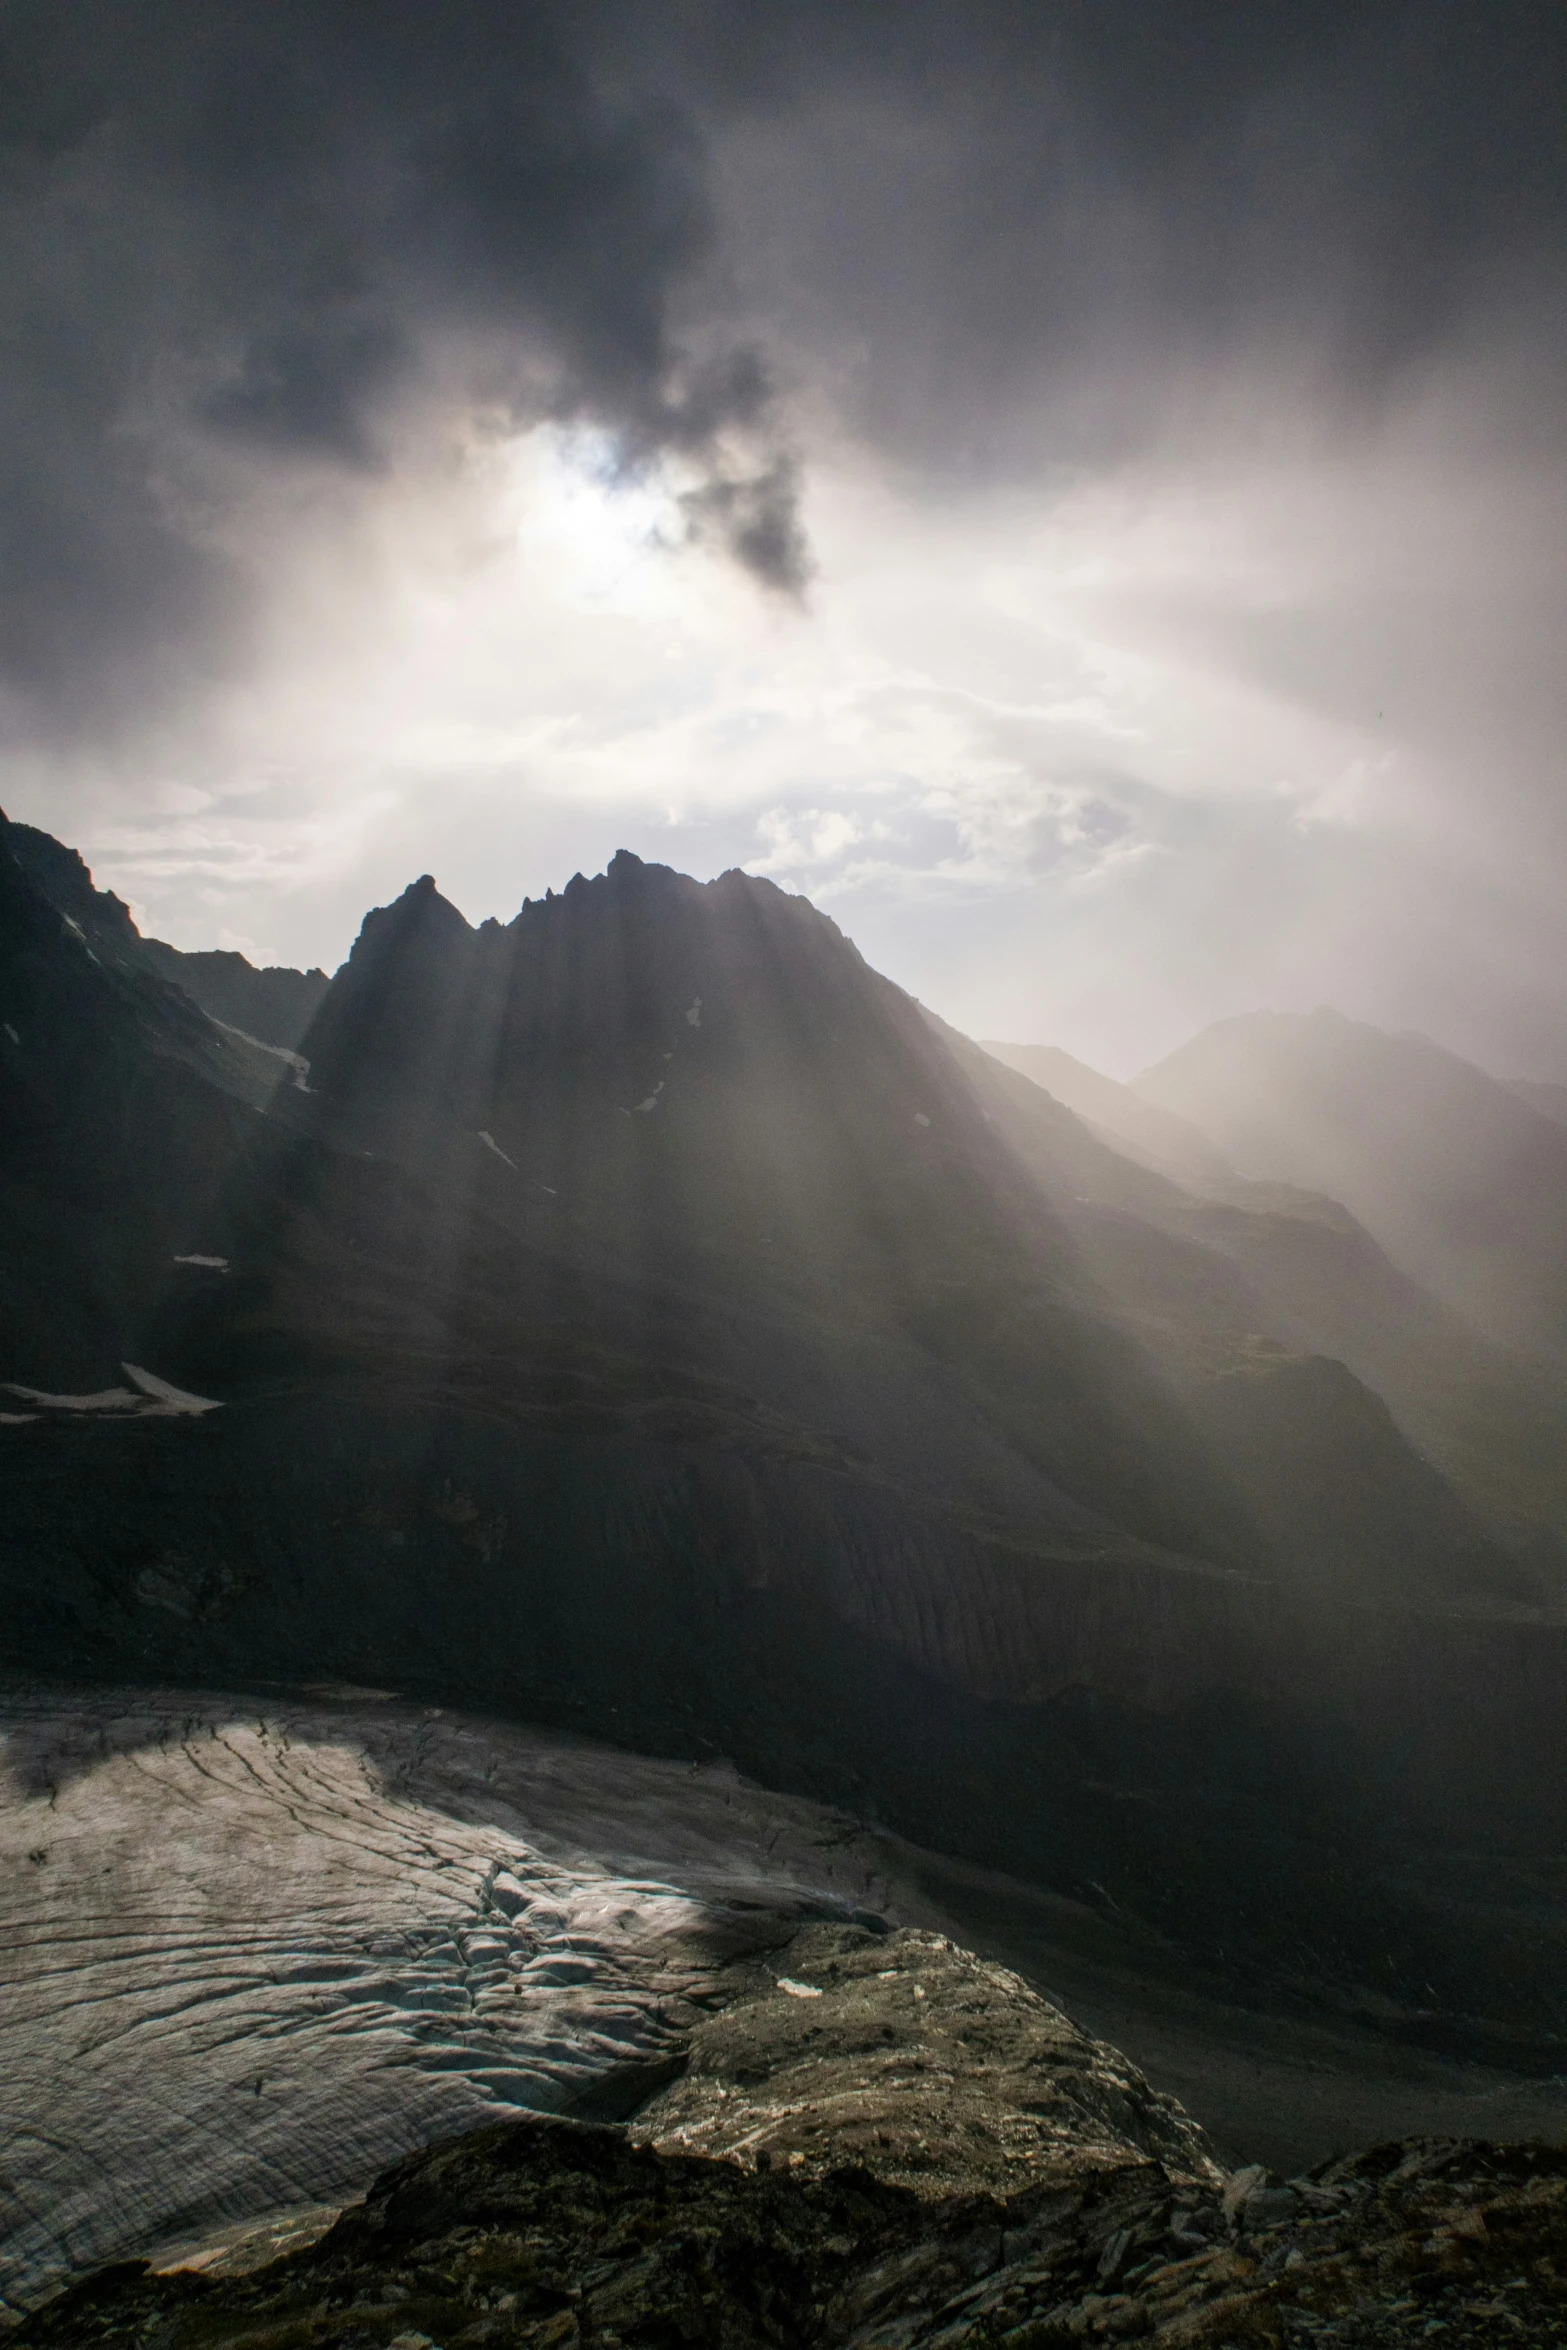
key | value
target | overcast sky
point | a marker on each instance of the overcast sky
(1077, 487)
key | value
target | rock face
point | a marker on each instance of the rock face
(272, 1006)
(650, 1322)
(929, 2066)
(552, 2235)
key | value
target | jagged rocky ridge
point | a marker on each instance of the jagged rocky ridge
(270, 1005)
(648, 1319)
(268, 1002)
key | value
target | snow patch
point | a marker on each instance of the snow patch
(694, 1015)
(147, 1398)
(167, 1398)
(491, 1144)
(11, 1033)
(920, 1118)
(105, 1399)
(295, 1063)
(799, 1990)
(214, 1264)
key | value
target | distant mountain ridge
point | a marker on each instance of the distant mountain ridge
(1153, 1136)
(270, 1002)
(1462, 1181)
(1316, 1278)
(1549, 1100)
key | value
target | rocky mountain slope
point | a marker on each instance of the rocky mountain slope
(1549, 1100)
(644, 1318)
(552, 2235)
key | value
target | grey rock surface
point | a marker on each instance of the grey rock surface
(932, 2067)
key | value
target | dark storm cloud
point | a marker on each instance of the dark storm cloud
(239, 236)
(1025, 229)
(242, 242)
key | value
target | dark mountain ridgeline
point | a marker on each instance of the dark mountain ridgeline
(271, 1003)
(121, 1110)
(273, 1006)
(707, 1082)
(651, 1320)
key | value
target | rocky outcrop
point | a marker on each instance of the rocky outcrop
(933, 2068)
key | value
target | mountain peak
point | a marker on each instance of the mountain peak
(421, 902)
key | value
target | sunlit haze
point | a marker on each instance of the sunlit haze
(1217, 670)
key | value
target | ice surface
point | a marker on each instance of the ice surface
(249, 1954)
